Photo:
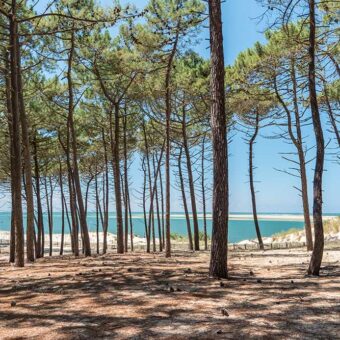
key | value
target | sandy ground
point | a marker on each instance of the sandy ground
(145, 296)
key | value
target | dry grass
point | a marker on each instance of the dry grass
(143, 296)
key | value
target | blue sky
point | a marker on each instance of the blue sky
(275, 193)
(241, 29)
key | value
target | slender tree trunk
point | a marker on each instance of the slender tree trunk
(40, 223)
(219, 241)
(72, 196)
(88, 184)
(298, 143)
(27, 164)
(62, 208)
(167, 148)
(187, 217)
(152, 196)
(162, 206)
(97, 208)
(51, 207)
(203, 196)
(302, 162)
(10, 129)
(17, 166)
(12, 241)
(151, 226)
(126, 186)
(116, 175)
(157, 208)
(105, 195)
(191, 181)
(48, 215)
(251, 180)
(73, 203)
(76, 178)
(316, 259)
(131, 224)
(147, 236)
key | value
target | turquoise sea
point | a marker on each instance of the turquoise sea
(241, 225)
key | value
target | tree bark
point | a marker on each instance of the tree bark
(116, 174)
(105, 195)
(203, 196)
(162, 206)
(157, 208)
(17, 164)
(219, 241)
(27, 164)
(61, 185)
(131, 224)
(191, 182)
(298, 143)
(151, 226)
(97, 208)
(302, 162)
(76, 178)
(40, 223)
(167, 148)
(10, 130)
(147, 235)
(50, 231)
(316, 259)
(251, 180)
(126, 186)
(187, 217)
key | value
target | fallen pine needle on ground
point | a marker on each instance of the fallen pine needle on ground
(139, 296)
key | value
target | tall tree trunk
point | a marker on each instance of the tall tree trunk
(126, 186)
(27, 164)
(191, 181)
(40, 222)
(77, 185)
(10, 129)
(72, 196)
(219, 241)
(51, 209)
(147, 234)
(167, 148)
(116, 174)
(251, 179)
(131, 224)
(187, 217)
(12, 240)
(61, 185)
(203, 196)
(88, 185)
(74, 217)
(152, 196)
(302, 162)
(298, 143)
(157, 208)
(105, 195)
(17, 166)
(69, 225)
(316, 259)
(151, 226)
(48, 216)
(97, 208)
(162, 206)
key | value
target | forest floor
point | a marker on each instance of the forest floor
(140, 296)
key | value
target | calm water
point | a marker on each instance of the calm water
(238, 229)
